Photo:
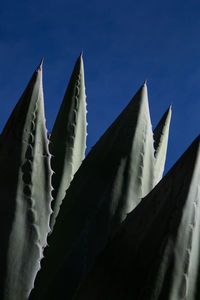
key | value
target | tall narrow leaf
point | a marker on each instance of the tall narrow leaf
(25, 193)
(68, 137)
(117, 172)
(161, 134)
(155, 253)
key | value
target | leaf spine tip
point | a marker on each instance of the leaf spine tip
(39, 68)
(41, 62)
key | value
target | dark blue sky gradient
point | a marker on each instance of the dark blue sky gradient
(124, 43)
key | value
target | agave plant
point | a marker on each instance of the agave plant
(37, 179)
(119, 170)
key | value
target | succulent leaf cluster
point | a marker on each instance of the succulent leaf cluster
(115, 229)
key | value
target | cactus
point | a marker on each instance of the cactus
(45, 184)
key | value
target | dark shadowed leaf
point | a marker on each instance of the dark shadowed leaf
(155, 253)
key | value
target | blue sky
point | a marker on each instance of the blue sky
(124, 43)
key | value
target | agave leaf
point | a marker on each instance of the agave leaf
(116, 173)
(155, 253)
(68, 137)
(161, 134)
(25, 193)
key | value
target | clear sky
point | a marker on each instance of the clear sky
(123, 42)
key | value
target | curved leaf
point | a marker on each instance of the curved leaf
(25, 193)
(68, 137)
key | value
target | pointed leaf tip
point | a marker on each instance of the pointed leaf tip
(144, 87)
(39, 68)
(161, 135)
(79, 63)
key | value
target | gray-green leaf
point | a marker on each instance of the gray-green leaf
(68, 137)
(161, 134)
(25, 193)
